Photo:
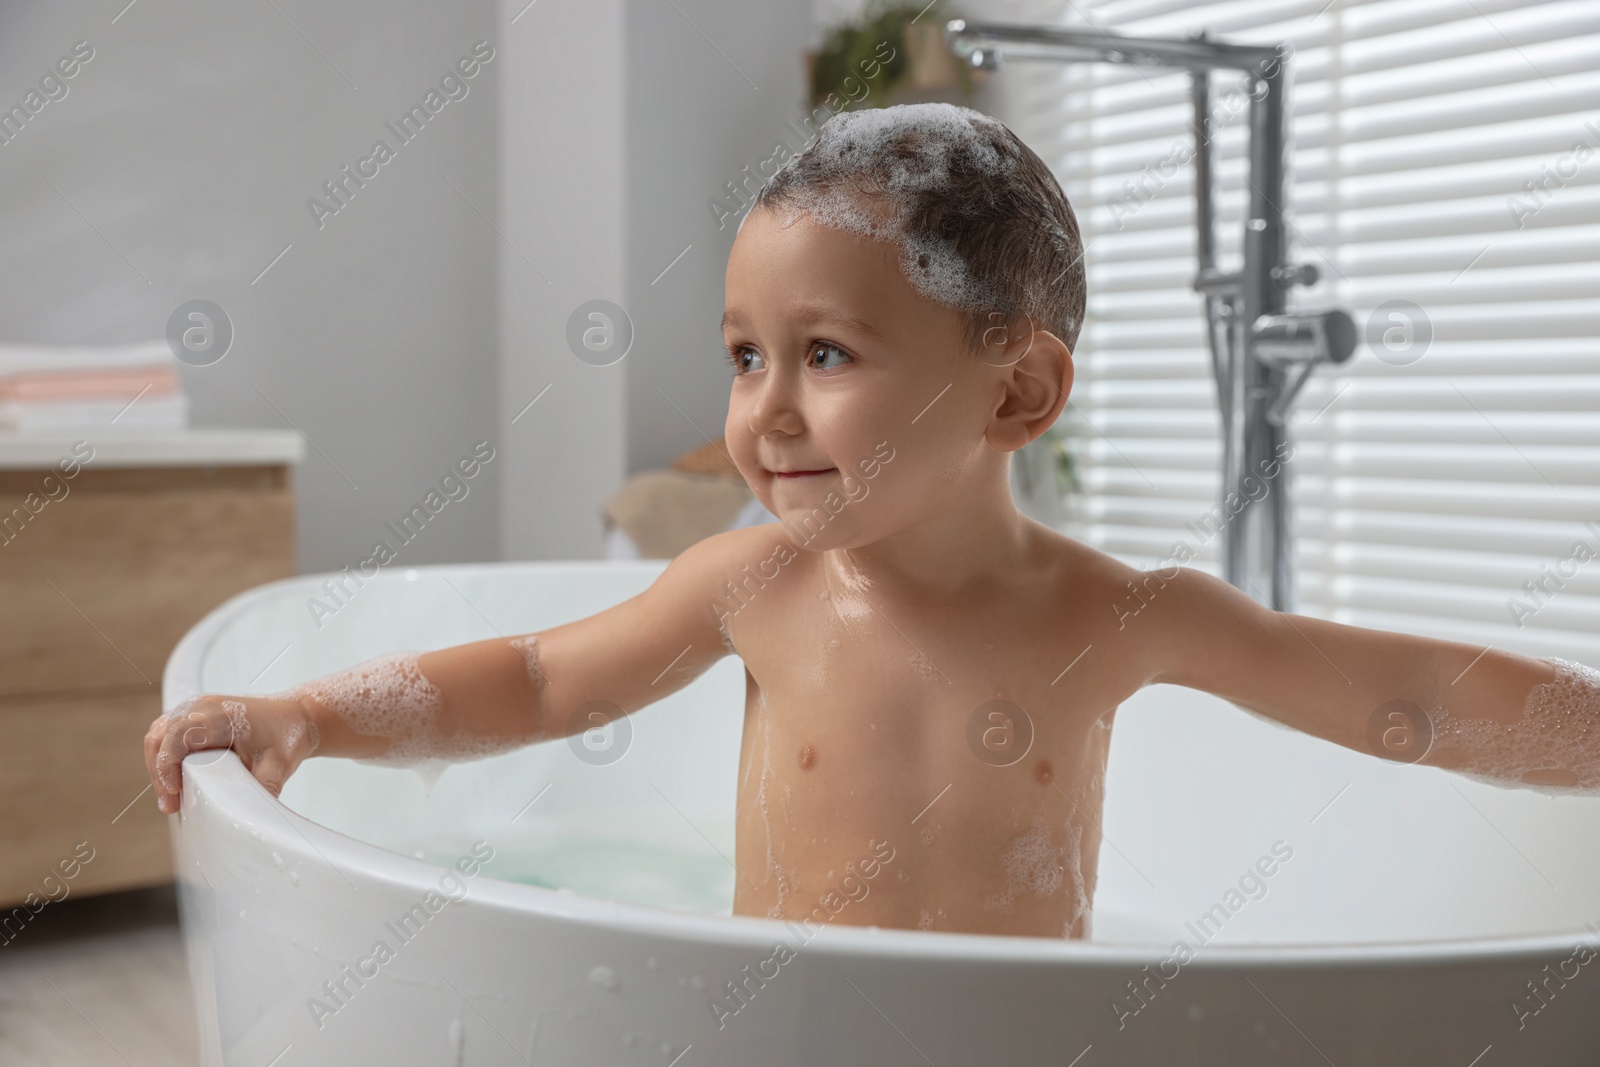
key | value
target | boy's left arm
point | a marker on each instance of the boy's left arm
(1510, 718)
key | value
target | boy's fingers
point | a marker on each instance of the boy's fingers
(270, 770)
(202, 723)
(153, 737)
(203, 727)
(152, 740)
(161, 759)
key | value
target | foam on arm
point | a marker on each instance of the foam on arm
(1497, 716)
(477, 699)
(474, 704)
(1553, 746)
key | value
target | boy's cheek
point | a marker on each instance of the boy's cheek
(740, 450)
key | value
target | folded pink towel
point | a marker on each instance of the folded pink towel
(125, 382)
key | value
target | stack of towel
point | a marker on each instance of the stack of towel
(51, 387)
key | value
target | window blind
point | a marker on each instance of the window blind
(1445, 169)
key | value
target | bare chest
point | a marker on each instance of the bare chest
(968, 746)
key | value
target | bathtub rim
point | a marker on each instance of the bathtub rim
(228, 785)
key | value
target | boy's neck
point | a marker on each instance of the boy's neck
(976, 535)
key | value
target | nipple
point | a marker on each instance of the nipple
(1553, 748)
(1043, 773)
(808, 757)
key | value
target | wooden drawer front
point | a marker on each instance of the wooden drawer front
(68, 770)
(100, 584)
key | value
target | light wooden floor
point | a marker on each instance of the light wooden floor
(96, 981)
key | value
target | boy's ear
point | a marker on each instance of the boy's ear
(1035, 370)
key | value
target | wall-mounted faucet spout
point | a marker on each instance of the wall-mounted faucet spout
(1261, 353)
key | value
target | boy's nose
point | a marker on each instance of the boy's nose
(776, 407)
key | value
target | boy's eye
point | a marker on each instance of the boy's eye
(820, 356)
(744, 359)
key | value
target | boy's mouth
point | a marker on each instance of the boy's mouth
(803, 474)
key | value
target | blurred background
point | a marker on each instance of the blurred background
(239, 340)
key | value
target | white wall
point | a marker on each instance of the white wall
(711, 85)
(621, 120)
(190, 144)
(562, 190)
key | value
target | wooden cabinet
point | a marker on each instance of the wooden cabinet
(101, 572)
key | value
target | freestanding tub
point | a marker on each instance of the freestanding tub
(1410, 916)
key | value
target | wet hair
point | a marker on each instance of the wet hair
(982, 223)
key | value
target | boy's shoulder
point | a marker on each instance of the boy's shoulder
(1097, 582)
(1062, 564)
(1074, 563)
(764, 550)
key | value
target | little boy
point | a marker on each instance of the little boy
(931, 677)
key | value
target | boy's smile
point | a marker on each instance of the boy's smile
(839, 363)
(834, 353)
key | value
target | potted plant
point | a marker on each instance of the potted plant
(892, 53)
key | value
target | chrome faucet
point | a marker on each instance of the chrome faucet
(1261, 353)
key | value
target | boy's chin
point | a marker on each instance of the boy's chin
(812, 527)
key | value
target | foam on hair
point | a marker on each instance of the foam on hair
(905, 152)
(1556, 741)
(981, 222)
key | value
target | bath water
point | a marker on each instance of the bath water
(683, 872)
(660, 870)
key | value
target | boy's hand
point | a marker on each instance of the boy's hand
(271, 735)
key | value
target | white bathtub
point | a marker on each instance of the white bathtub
(1413, 912)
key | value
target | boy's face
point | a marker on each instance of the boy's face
(843, 368)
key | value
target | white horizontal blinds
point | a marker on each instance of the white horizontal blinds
(1428, 489)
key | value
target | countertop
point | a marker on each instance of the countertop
(41, 450)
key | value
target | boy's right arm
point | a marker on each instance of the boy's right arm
(478, 698)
